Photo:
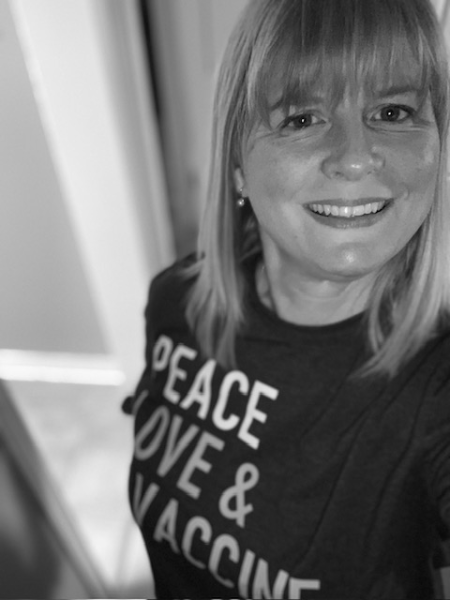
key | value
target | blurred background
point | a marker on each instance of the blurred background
(105, 114)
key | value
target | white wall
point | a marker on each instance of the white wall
(45, 300)
(85, 208)
(83, 228)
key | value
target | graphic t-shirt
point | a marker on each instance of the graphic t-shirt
(286, 477)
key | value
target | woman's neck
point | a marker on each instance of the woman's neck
(310, 301)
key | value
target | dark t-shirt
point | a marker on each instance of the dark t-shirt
(286, 477)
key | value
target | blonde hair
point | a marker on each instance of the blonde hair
(335, 41)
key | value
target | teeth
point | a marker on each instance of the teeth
(347, 211)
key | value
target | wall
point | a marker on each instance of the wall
(46, 303)
(83, 228)
(84, 221)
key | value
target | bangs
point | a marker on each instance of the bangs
(330, 46)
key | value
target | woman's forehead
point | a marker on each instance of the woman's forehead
(334, 85)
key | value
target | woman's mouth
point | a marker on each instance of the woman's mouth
(347, 211)
(352, 215)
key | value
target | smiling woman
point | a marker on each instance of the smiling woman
(338, 190)
(314, 319)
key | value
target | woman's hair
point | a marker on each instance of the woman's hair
(293, 44)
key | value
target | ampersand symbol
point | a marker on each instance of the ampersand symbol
(247, 477)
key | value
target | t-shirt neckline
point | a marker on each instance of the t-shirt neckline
(351, 325)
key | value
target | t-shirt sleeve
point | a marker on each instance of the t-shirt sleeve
(164, 311)
(129, 403)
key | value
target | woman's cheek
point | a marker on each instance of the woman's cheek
(422, 158)
(414, 165)
(267, 176)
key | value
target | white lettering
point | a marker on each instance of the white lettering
(196, 462)
(224, 557)
(161, 353)
(160, 420)
(140, 399)
(174, 449)
(195, 524)
(218, 415)
(165, 528)
(142, 504)
(253, 413)
(176, 373)
(244, 575)
(221, 543)
(200, 391)
(261, 586)
(297, 585)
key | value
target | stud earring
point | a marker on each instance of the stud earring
(242, 199)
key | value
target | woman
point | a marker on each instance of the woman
(292, 434)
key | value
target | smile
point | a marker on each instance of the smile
(348, 211)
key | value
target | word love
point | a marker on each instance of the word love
(163, 430)
(209, 400)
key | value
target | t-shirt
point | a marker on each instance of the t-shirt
(286, 477)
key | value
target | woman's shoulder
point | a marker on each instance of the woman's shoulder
(433, 370)
(174, 275)
(170, 287)
(435, 413)
(442, 360)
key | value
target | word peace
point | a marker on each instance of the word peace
(200, 392)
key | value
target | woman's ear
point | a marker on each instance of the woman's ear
(239, 181)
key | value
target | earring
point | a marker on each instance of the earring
(241, 200)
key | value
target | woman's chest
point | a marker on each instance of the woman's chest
(240, 466)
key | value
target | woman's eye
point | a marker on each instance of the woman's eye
(301, 121)
(394, 113)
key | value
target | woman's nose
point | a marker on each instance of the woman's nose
(352, 153)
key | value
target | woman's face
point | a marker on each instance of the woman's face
(338, 190)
